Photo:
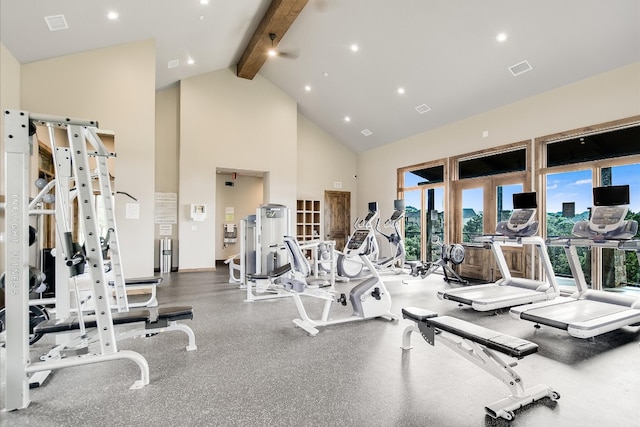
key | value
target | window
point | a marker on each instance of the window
(493, 164)
(568, 199)
(604, 145)
(620, 268)
(423, 191)
(571, 167)
(472, 213)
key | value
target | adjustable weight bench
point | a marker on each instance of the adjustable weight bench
(161, 319)
(479, 345)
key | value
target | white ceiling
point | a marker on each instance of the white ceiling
(442, 52)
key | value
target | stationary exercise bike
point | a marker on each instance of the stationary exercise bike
(369, 299)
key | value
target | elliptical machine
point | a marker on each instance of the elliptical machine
(366, 239)
(350, 267)
(396, 242)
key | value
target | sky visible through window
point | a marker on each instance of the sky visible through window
(577, 187)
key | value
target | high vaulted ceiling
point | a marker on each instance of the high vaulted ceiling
(443, 54)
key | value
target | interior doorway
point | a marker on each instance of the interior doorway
(337, 217)
(239, 193)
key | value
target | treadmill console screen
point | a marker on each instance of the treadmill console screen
(607, 218)
(521, 218)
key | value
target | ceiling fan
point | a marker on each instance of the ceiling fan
(274, 52)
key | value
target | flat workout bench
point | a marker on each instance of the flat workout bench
(479, 345)
(156, 320)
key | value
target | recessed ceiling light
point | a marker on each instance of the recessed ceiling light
(190, 61)
(202, 17)
(325, 74)
(204, 1)
(307, 88)
(113, 15)
(354, 47)
(347, 119)
(401, 90)
(501, 37)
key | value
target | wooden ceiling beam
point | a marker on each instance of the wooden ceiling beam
(276, 20)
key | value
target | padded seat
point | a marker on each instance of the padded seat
(275, 273)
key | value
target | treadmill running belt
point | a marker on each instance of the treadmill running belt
(562, 315)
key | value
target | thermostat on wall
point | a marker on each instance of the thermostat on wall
(198, 212)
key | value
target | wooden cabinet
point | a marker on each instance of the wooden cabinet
(307, 220)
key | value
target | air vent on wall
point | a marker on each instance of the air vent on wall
(520, 68)
(174, 63)
(366, 132)
(423, 108)
(56, 22)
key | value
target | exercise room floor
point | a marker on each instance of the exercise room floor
(253, 367)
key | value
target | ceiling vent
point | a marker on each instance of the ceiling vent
(423, 108)
(174, 63)
(520, 68)
(366, 132)
(56, 22)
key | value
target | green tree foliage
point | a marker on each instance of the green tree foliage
(473, 228)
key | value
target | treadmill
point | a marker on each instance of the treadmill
(588, 313)
(510, 291)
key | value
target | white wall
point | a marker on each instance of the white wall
(322, 162)
(228, 122)
(607, 97)
(167, 154)
(9, 100)
(115, 86)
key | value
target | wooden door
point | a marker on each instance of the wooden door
(337, 217)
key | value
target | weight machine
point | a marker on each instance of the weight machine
(71, 165)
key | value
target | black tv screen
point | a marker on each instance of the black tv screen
(373, 206)
(525, 200)
(613, 195)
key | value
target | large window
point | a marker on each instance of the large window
(620, 268)
(571, 168)
(424, 195)
(568, 197)
(472, 213)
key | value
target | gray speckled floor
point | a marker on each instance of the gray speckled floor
(253, 367)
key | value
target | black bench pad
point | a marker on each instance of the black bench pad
(507, 344)
(275, 273)
(151, 280)
(73, 323)
(417, 314)
(175, 313)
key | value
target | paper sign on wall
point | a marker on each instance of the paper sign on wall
(132, 211)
